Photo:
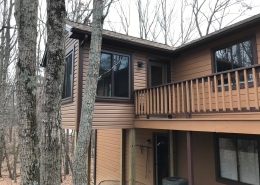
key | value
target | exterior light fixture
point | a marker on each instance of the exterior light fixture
(140, 64)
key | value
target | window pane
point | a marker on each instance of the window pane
(157, 77)
(228, 159)
(248, 161)
(67, 85)
(104, 87)
(234, 56)
(121, 76)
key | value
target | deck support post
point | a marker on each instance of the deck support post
(189, 158)
(132, 157)
(172, 154)
(122, 158)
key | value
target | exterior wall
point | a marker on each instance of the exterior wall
(69, 110)
(144, 174)
(203, 158)
(197, 62)
(108, 159)
(118, 115)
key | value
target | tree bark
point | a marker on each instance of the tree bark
(85, 127)
(50, 168)
(26, 20)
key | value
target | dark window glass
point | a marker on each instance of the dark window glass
(67, 85)
(234, 56)
(113, 75)
(238, 160)
(157, 77)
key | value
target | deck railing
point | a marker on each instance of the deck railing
(228, 91)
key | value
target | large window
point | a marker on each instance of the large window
(68, 77)
(240, 54)
(234, 56)
(113, 75)
(238, 158)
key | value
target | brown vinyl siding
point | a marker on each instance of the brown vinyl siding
(69, 110)
(203, 157)
(108, 153)
(143, 175)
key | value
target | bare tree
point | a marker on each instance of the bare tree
(209, 15)
(146, 16)
(85, 127)
(26, 20)
(79, 10)
(123, 11)
(50, 144)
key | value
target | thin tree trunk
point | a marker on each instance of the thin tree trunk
(51, 105)
(8, 162)
(26, 20)
(66, 147)
(79, 165)
(15, 157)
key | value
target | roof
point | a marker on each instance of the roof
(227, 31)
(120, 36)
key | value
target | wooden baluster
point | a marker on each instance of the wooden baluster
(170, 99)
(173, 100)
(216, 92)
(210, 96)
(238, 91)
(198, 95)
(154, 101)
(246, 90)
(158, 101)
(165, 100)
(223, 92)
(151, 101)
(192, 96)
(203, 95)
(178, 98)
(255, 88)
(230, 92)
(142, 103)
(136, 104)
(183, 98)
(146, 104)
(161, 94)
(188, 96)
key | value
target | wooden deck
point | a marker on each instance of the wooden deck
(226, 92)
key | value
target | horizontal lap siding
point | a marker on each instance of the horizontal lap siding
(144, 173)
(203, 158)
(198, 62)
(108, 160)
(69, 110)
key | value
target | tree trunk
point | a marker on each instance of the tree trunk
(8, 162)
(51, 105)
(26, 20)
(67, 153)
(85, 127)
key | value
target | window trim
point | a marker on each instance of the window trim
(68, 52)
(114, 99)
(217, 157)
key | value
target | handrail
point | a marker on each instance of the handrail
(227, 91)
(205, 76)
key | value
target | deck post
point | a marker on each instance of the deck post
(189, 156)
(172, 154)
(122, 160)
(132, 157)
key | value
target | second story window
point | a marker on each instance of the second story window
(68, 77)
(114, 75)
(234, 56)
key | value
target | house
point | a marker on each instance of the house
(191, 111)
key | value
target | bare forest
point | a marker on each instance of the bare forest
(34, 148)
